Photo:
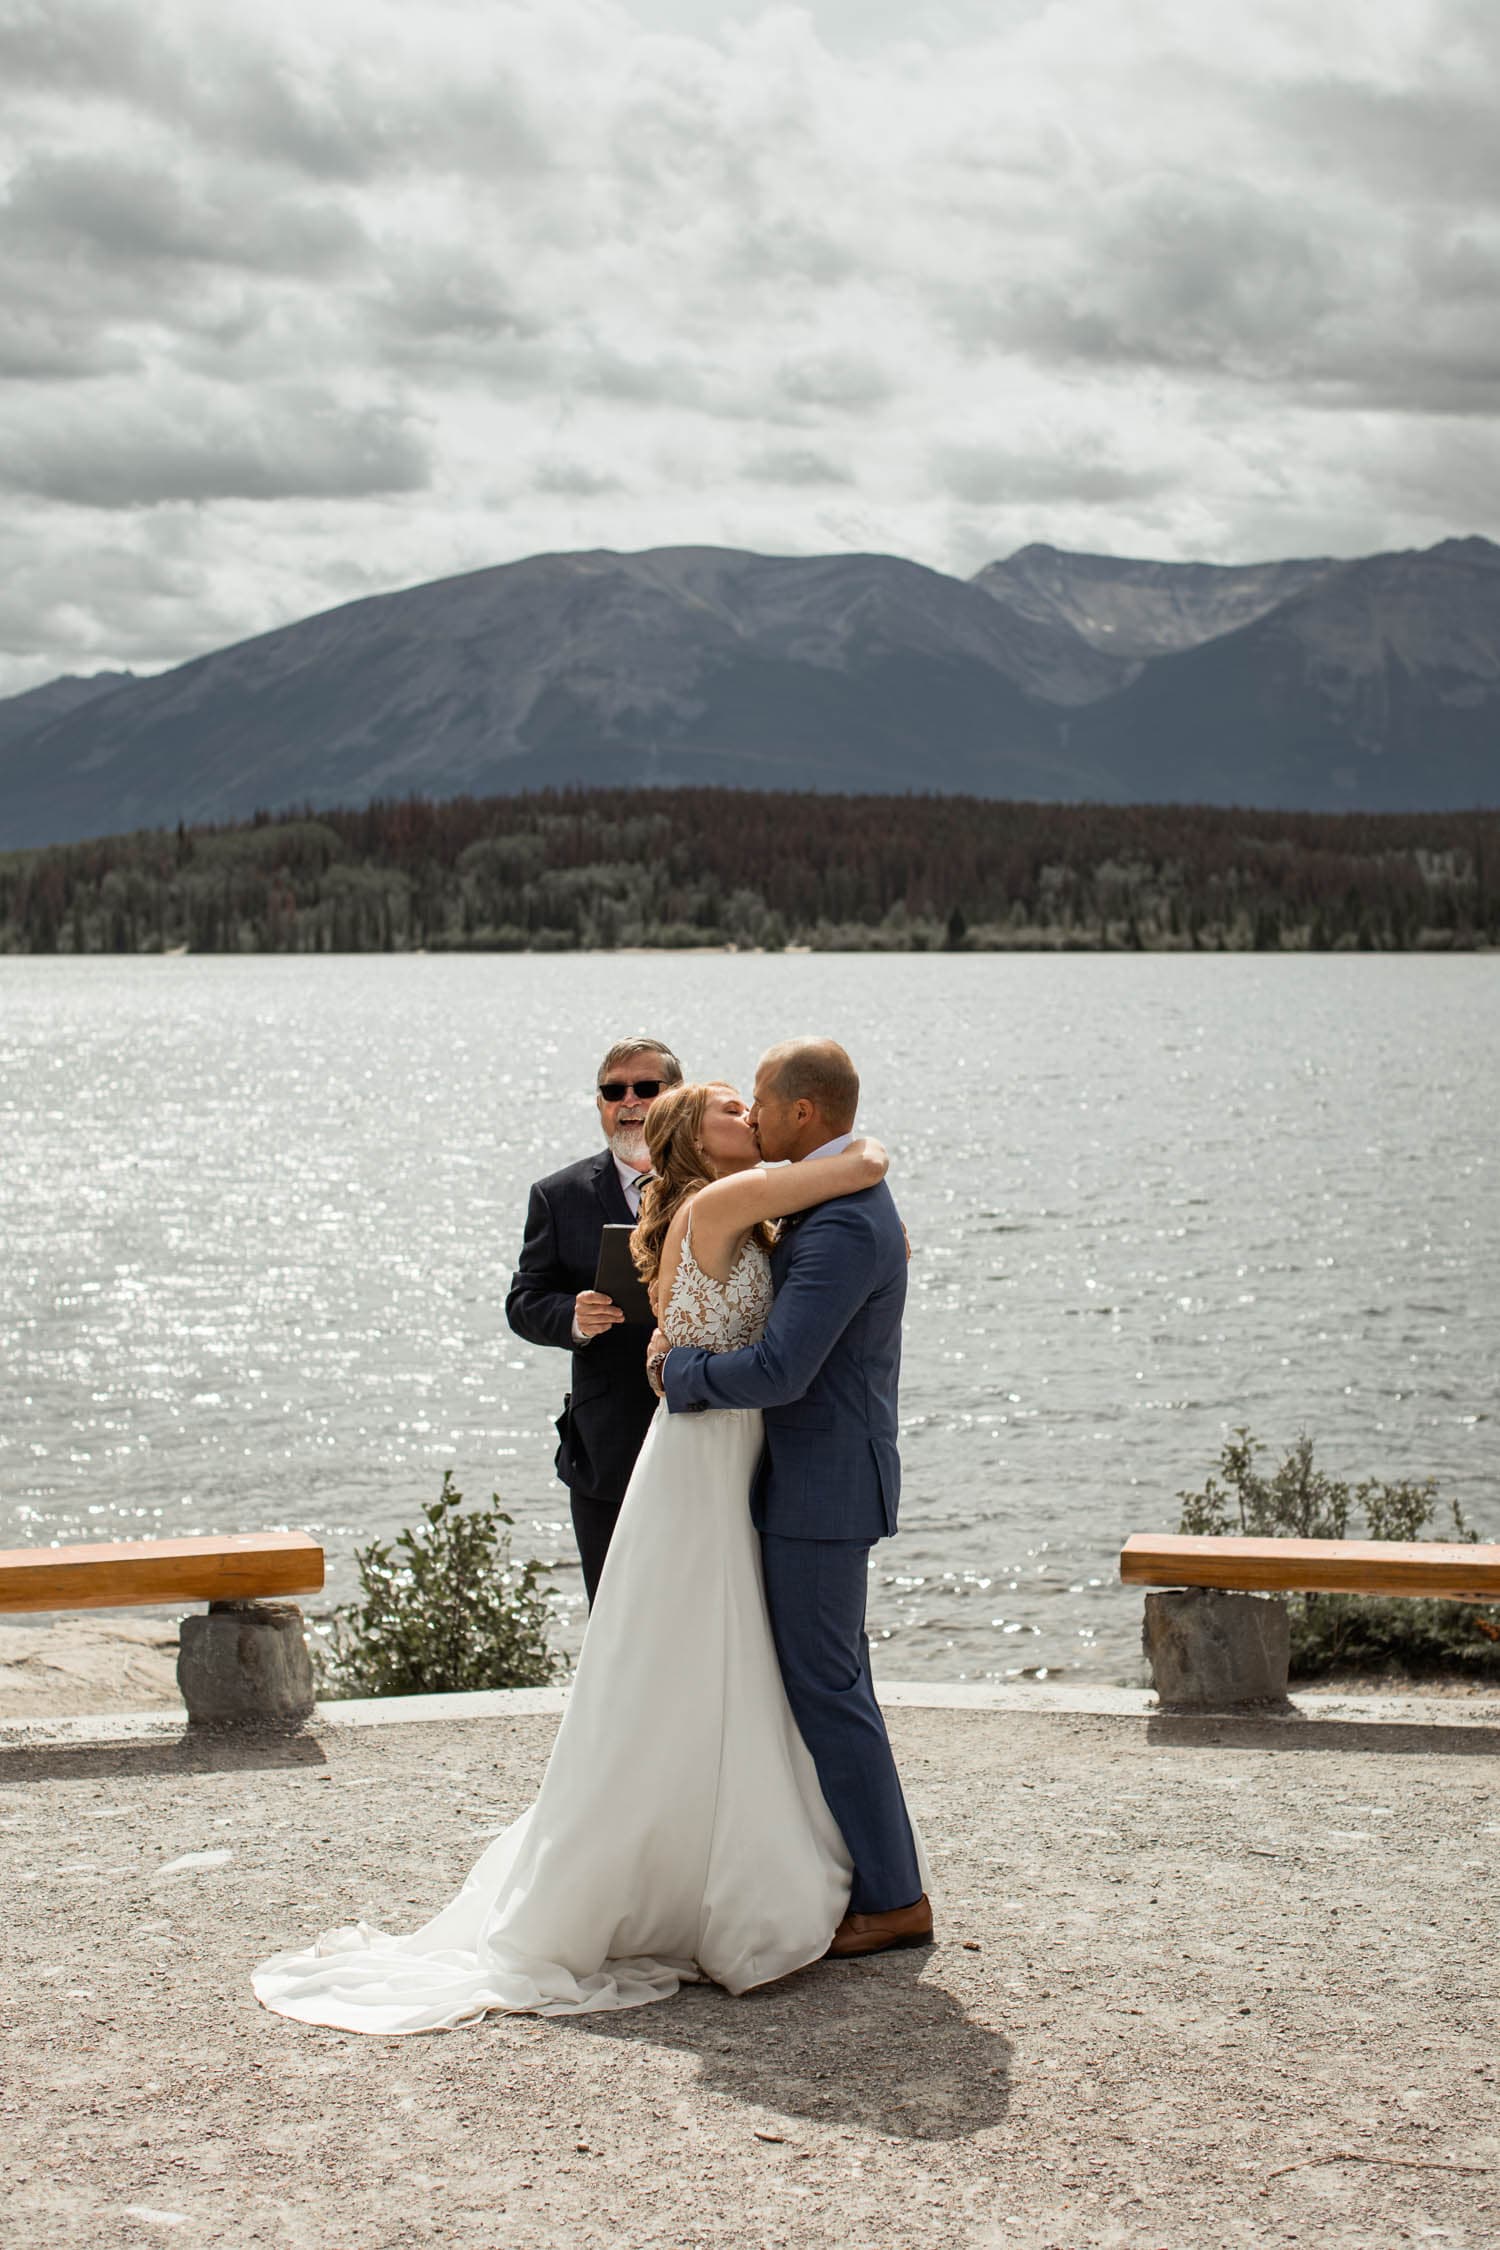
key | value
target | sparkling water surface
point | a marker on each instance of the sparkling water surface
(258, 1217)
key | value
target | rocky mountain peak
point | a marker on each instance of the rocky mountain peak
(1049, 675)
(1136, 610)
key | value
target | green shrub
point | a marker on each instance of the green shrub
(1348, 1632)
(443, 1609)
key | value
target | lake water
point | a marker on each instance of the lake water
(257, 1220)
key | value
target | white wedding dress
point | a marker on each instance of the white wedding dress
(679, 1831)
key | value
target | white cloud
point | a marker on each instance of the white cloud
(318, 301)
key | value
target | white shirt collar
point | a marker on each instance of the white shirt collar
(835, 1147)
(630, 1180)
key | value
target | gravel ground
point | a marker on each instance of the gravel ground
(1175, 1956)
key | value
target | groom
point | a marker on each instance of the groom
(825, 1375)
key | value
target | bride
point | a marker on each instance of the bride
(679, 1831)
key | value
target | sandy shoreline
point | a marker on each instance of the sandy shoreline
(113, 1660)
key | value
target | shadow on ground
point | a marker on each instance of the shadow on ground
(1180, 1730)
(877, 2044)
(194, 1751)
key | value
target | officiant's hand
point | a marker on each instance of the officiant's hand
(594, 1312)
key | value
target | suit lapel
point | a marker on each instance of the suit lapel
(610, 1193)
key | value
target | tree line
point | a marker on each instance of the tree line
(571, 868)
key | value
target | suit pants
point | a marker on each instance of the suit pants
(815, 1589)
(593, 1527)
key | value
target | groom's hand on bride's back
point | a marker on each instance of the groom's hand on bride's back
(656, 1352)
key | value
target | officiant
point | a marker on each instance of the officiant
(553, 1300)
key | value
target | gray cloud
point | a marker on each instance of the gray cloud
(1222, 284)
(291, 445)
(360, 126)
(1190, 273)
(983, 475)
(1451, 473)
(442, 296)
(112, 210)
(849, 377)
(148, 595)
(41, 347)
(793, 465)
(781, 249)
(337, 111)
(1413, 146)
(577, 480)
(83, 49)
(652, 378)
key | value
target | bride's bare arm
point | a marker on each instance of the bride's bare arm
(732, 1206)
(724, 1211)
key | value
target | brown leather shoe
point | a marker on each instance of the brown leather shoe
(882, 1933)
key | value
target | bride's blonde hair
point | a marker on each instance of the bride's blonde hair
(674, 1133)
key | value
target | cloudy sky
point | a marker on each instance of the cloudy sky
(315, 299)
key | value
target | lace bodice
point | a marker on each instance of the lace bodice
(720, 1315)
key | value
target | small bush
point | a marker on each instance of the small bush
(444, 1609)
(1348, 1632)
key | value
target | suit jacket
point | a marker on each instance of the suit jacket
(825, 1374)
(608, 1410)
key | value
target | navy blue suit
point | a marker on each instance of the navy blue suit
(825, 1377)
(608, 1411)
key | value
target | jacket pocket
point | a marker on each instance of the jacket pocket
(888, 1479)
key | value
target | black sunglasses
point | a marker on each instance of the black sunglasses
(615, 1089)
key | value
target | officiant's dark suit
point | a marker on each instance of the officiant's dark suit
(609, 1406)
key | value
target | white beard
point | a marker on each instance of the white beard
(629, 1143)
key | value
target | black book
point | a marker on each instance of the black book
(615, 1276)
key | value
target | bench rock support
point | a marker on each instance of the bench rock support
(1208, 1650)
(246, 1663)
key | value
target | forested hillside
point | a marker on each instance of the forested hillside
(699, 867)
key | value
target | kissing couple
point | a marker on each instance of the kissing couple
(721, 1801)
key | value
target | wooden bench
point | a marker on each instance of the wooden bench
(246, 1659)
(1208, 1650)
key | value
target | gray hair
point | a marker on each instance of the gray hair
(623, 1049)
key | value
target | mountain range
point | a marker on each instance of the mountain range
(1316, 684)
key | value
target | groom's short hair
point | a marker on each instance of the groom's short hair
(623, 1049)
(820, 1072)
